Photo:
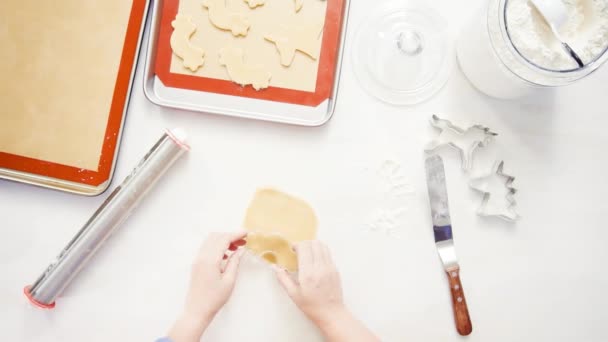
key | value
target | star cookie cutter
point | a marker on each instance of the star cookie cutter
(466, 141)
(496, 204)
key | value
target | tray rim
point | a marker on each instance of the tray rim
(149, 78)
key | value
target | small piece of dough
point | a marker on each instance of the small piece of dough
(239, 72)
(290, 39)
(275, 212)
(273, 248)
(275, 221)
(299, 4)
(255, 3)
(221, 18)
(183, 29)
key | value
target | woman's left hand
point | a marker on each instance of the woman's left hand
(212, 281)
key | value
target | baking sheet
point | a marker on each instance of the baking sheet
(310, 90)
(67, 68)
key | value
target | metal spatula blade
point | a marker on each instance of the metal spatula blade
(555, 13)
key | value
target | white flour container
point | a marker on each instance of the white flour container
(494, 65)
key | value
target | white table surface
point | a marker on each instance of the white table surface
(541, 279)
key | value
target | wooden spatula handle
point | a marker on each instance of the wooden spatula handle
(461, 312)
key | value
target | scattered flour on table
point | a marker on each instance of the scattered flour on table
(388, 217)
(586, 30)
(386, 221)
(396, 183)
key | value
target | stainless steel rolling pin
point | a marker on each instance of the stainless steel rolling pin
(106, 219)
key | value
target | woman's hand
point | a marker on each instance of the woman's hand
(318, 293)
(211, 284)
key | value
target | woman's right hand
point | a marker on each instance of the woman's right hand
(318, 291)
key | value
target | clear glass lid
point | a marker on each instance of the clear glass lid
(402, 55)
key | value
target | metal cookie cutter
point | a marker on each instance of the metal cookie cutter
(496, 203)
(465, 141)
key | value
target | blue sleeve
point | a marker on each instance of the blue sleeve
(164, 339)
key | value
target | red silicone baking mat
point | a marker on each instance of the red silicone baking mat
(52, 171)
(325, 76)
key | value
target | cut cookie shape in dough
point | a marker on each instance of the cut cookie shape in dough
(239, 72)
(255, 3)
(289, 39)
(274, 212)
(221, 18)
(183, 29)
(299, 4)
(273, 248)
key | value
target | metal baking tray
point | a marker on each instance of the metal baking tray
(231, 105)
(52, 169)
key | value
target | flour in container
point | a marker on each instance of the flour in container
(586, 30)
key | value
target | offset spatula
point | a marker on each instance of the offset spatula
(442, 228)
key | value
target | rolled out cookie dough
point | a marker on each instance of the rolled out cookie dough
(279, 215)
(221, 18)
(274, 249)
(289, 39)
(183, 29)
(241, 73)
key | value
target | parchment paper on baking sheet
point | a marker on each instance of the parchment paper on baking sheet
(59, 61)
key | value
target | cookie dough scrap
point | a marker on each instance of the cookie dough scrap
(255, 3)
(241, 73)
(183, 29)
(288, 40)
(275, 221)
(220, 17)
(299, 4)
(273, 248)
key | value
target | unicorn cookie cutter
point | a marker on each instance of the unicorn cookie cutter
(466, 141)
(498, 203)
